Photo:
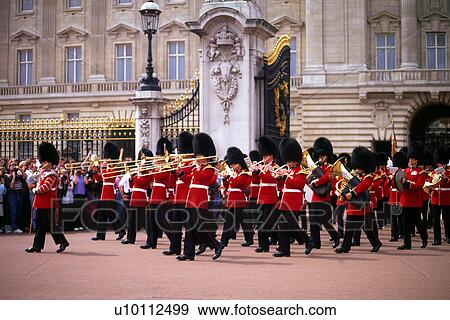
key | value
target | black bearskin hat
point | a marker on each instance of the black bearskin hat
(382, 158)
(185, 142)
(267, 146)
(47, 152)
(203, 144)
(145, 153)
(364, 159)
(441, 155)
(322, 147)
(290, 150)
(416, 151)
(427, 158)
(404, 150)
(399, 160)
(255, 156)
(111, 151)
(160, 146)
(235, 156)
(347, 159)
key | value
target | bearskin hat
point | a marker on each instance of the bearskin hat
(267, 146)
(382, 158)
(364, 159)
(47, 152)
(255, 156)
(441, 155)
(145, 153)
(235, 156)
(163, 142)
(427, 158)
(323, 147)
(416, 151)
(347, 159)
(185, 142)
(203, 144)
(290, 150)
(404, 150)
(399, 160)
(111, 151)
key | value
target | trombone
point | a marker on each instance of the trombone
(437, 177)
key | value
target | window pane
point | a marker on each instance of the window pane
(172, 68)
(123, 1)
(128, 49)
(29, 73)
(78, 52)
(441, 39)
(119, 50)
(70, 72)
(119, 69)
(129, 68)
(22, 55)
(172, 47)
(293, 64)
(441, 58)
(431, 59)
(430, 39)
(181, 68)
(380, 40)
(78, 70)
(74, 3)
(29, 55)
(391, 58)
(22, 75)
(380, 59)
(293, 43)
(181, 47)
(69, 53)
(391, 40)
(26, 5)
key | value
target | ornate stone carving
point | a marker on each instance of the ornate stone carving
(145, 127)
(381, 115)
(434, 5)
(226, 49)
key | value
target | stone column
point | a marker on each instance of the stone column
(47, 43)
(149, 105)
(4, 43)
(313, 72)
(409, 34)
(97, 42)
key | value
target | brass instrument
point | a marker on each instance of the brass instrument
(315, 172)
(279, 172)
(256, 166)
(225, 169)
(436, 180)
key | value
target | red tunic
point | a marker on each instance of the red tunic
(182, 185)
(322, 180)
(441, 194)
(236, 189)
(412, 197)
(46, 194)
(254, 186)
(108, 191)
(394, 194)
(426, 196)
(139, 191)
(159, 191)
(386, 187)
(292, 197)
(267, 186)
(202, 178)
(365, 184)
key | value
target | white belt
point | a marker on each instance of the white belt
(108, 183)
(53, 189)
(393, 189)
(171, 189)
(292, 190)
(199, 186)
(443, 189)
(157, 184)
(138, 190)
(180, 182)
(268, 185)
(254, 185)
(234, 190)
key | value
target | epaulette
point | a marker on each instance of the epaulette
(246, 173)
(370, 175)
(302, 171)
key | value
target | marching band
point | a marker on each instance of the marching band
(266, 193)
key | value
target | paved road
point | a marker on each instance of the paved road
(109, 270)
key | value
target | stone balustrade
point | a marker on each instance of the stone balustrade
(404, 77)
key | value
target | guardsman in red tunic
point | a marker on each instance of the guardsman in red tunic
(156, 222)
(411, 198)
(139, 200)
(341, 202)
(45, 200)
(107, 206)
(203, 176)
(426, 211)
(399, 161)
(440, 195)
(235, 187)
(364, 162)
(320, 209)
(382, 175)
(268, 194)
(291, 201)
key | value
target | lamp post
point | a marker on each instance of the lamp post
(150, 18)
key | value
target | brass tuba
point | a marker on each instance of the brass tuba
(436, 180)
(338, 169)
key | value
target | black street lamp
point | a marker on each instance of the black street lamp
(150, 18)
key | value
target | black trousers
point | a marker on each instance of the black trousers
(177, 214)
(108, 210)
(133, 215)
(396, 221)
(43, 225)
(320, 214)
(289, 227)
(426, 218)
(436, 212)
(153, 225)
(339, 216)
(234, 219)
(198, 231)
(371, 223)
(266, 226)
(354, 224)
(381, 214)
(411, 219)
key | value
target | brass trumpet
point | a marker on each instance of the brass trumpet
(437, 177)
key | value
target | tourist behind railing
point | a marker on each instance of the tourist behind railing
(15, 181)
(31, 183)
(2, 193)
(79, 194)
